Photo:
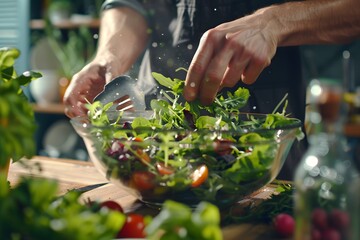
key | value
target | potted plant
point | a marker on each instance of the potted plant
(17, 123)
(59, 10)
(72, 52)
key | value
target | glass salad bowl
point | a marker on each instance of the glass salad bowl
(220, 166)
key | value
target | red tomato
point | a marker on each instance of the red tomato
(331, 234)
(339, 219)
(164, 170)
(143, 156)
(137, 139)
(223, 146)
(133, 227)
(284, 224)
(112, 205)
(319, 219)
(199, 176)
(143, 180)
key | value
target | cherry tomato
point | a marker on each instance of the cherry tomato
(112, 205)
(133, 227)
(331, 234)
(284, 224)
(199, 176)
(164, 170)
(137, 139)
(319, 219)
(143, 156)
(223, 146)
(143, 180)
(339, 219)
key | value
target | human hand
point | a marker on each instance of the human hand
(83, 87)
(233, 51)
(86, 85)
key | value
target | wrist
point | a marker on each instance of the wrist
(110, 64)
(273, 28)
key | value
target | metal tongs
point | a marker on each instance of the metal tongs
(124, 92)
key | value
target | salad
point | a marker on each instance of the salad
(187, 152)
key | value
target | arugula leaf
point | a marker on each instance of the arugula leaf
(281, 201)
(207, 122)
(176, 85)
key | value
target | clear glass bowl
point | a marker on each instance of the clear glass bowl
(187, 166)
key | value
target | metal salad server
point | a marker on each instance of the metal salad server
(124, 92)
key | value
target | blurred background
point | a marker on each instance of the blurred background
(58, 37)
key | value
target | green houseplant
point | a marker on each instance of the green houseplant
(59, 10)
(17, 123)
(72, 51)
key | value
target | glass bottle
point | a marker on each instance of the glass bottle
(326, 183)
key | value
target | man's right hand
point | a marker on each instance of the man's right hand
(84, 86)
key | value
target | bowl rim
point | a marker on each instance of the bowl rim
(82, 125)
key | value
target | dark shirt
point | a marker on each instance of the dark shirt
(176, 27)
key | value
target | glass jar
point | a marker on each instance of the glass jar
(326, 184)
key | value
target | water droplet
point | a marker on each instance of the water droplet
(215, 9)
(189, 46)
(254, 107)
(117, 94)
(192, 84)
(96, 36)
(26, 74)
(154, 44)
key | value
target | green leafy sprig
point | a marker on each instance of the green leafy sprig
(264, 211)
(33, 211)
(17, 123)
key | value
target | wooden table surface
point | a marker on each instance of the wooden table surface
(74, 174)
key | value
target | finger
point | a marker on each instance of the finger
(214, 75)
(208, 92)
(197, 68)
(75, 110)
(234, 72)
(252, 71)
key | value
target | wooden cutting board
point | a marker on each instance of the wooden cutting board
(78, 175)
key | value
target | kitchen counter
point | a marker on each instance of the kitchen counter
(83, 176)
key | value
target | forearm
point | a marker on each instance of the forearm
(314, 21)
(123, 33)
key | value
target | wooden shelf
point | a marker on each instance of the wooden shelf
(66, 24)
(51, 108)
